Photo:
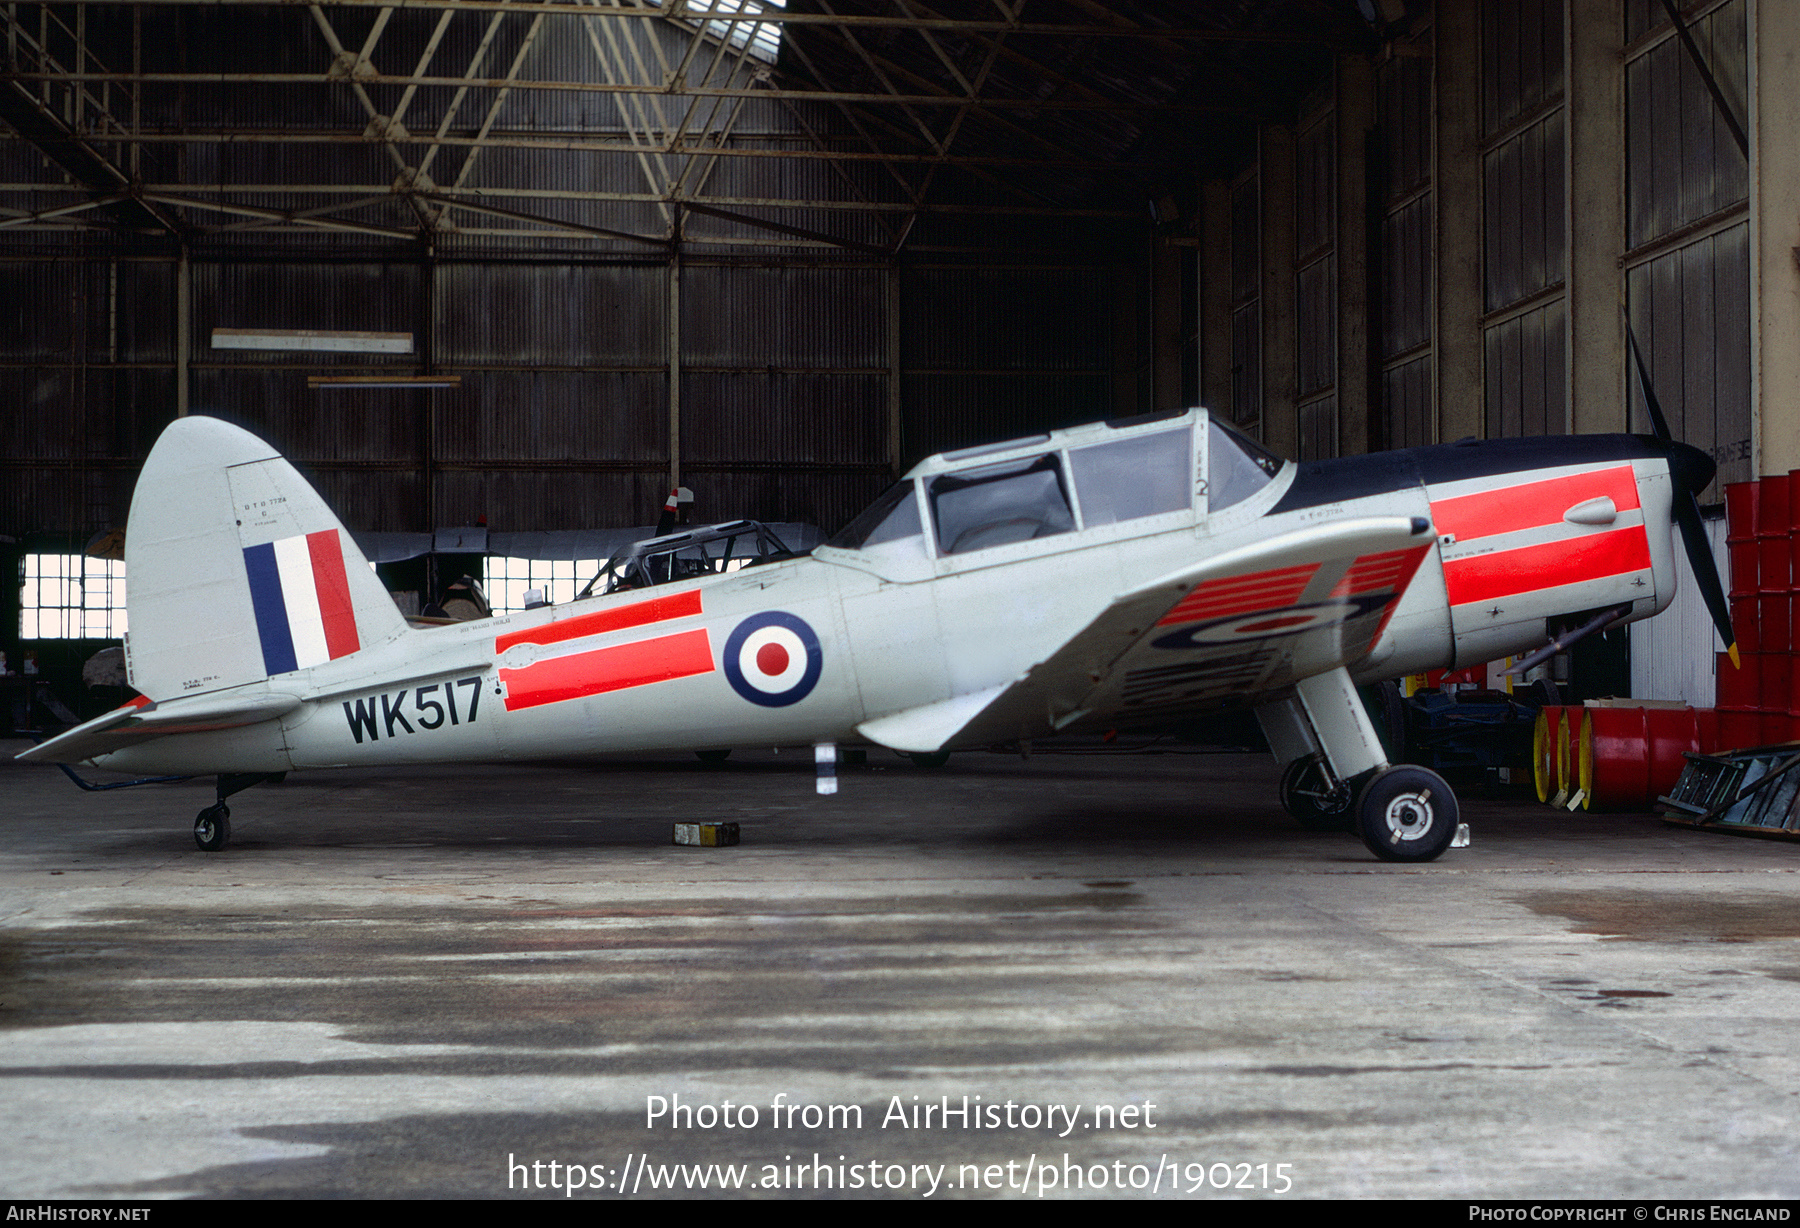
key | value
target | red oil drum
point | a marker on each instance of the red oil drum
(1707, 721)
(1543, 750)
(1674, 732)
(1615, 758)
(1774, 623)
(1793, 523)
(1773, 551)
(1741, 500)
(1777, 673)
(1741, 506)
(1745, 571)
(1777, 727)
(1736, 687)
(1738, 728)
(1746, 610)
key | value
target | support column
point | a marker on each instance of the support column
(1126, 341)
(1456, 217)
(674, 344)
(1215, 296)
(1355, 375)
(1774, 35)
(895, 460)
(1595, 213)
(1280, 415)
(183, 330)
(1165, 325)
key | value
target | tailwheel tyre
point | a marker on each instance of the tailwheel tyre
(1303, 796)
(930, 759)
(713, 756)
(212, 827)
(1407, 813)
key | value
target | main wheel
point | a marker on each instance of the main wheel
(212, 827)
(1407, 813)
(1313, 809)
(930, 759)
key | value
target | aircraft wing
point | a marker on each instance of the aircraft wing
(1243, 624)
(142, 720)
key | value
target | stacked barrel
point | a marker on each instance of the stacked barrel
(1758, 703)
(1615, 755)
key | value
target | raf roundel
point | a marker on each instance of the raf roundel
(773, 659)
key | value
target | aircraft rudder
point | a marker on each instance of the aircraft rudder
(238, 570)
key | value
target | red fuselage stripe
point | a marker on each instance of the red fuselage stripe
(638, 614)
(608, 669)
(333, 587)
(1506, 573)
(1489, 512)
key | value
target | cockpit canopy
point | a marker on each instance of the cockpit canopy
(1092, 480)
(707, 551)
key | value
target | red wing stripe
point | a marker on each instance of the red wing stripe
(1506, 573)
(1263, 590)
(1408, 561)
(608, 669)
(1375, 573)
(638, 614)
(1487, 512)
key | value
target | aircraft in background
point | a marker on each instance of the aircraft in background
(1112, 575)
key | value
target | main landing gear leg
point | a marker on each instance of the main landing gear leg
(212, 826)
(1337, 776)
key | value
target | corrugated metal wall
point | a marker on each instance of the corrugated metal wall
(1405, 276)
(1246, 300)
(1687, 224)
(1524, 222)
(1315, 277)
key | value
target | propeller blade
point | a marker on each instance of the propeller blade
(1706, 572)
(1691, 474)
(1658, 423)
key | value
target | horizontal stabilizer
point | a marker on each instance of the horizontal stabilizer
(142, 721)
(924, 729)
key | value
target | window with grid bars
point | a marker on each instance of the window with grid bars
(71, 597)
(509, 578)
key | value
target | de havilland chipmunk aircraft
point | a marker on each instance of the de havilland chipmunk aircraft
(1113, 575)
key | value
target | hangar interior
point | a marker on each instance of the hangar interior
(778, 252)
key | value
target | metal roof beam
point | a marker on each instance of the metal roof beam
(787, 17)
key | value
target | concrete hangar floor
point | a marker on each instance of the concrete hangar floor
(1122, 975)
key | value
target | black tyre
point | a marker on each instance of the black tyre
(1302, 795)
(212, 828)
(1407, 813)
(713, 756)
(935, 759)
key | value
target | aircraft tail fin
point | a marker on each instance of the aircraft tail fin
(236, 569)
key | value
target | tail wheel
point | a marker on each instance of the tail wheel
(1407, 813)
(930, 759)
(1303, 796)
(212, 827)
